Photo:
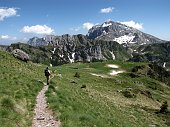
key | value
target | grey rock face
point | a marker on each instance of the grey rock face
(75, 48)
(113, 31)
(158, 53)
(69, 49)
(20, 54)
(35, 41)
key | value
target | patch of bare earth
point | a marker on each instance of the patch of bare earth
(99, 75)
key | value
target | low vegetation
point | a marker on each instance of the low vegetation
(110, 101)
(20, 83)
(80, 99)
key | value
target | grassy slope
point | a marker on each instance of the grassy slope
(100, 104)
(19, 86)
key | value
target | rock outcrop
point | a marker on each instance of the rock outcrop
(158, 53)
(69, 49)
(36, 54)
(20, 55)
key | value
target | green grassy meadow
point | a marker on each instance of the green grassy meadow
(20, 83)
(84, 101)
(101, 104)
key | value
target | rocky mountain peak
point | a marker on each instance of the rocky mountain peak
(115, 31)
(35, 41)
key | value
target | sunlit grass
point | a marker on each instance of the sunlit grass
(83, 100)
(19, 85)
(100, 103)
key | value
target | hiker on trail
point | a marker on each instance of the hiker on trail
(47, 74)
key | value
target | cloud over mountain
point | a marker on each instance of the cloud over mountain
(88, 25)
(133, 24)
(37, 29)
(7, 12)
(107, 10)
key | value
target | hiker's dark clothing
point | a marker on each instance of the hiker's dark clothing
(47, 74)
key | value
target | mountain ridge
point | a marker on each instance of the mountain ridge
(113, 31)
(108, 41)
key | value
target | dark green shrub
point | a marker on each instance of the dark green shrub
(52, 88)
(77, 75)
(164, 107)
(146, 93)
(128, 94)
(7, 103)
(83, 86)
(133, 75)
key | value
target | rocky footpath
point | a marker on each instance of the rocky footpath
(43, 116)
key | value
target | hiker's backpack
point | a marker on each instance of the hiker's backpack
(47, 73)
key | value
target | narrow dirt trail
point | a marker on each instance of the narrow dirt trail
(42, 115)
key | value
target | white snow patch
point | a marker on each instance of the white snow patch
(71, 60)
(132, 42)
(96, 26)
(53, 50)
(106, 24)
(115, 72)
(142, 43)
(98, 75)
(113, 66)
(104, 32)
(124, 39)
(164, 65)
(113, 56)
(73, 54)
(61, 55)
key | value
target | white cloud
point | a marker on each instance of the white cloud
(75, 29)
(37, 29)
(107, 10)
(7, 12)
(7, 37)
(131, 23)
(4, 36)
(88, 25)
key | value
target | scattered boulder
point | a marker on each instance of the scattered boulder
(77, 75)
(129, 94)
(133, 75)
(164, 107)
(83, 86)
(146, 93)
(73, 82)
(20, 55)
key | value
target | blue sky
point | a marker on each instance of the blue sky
(23, 19)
